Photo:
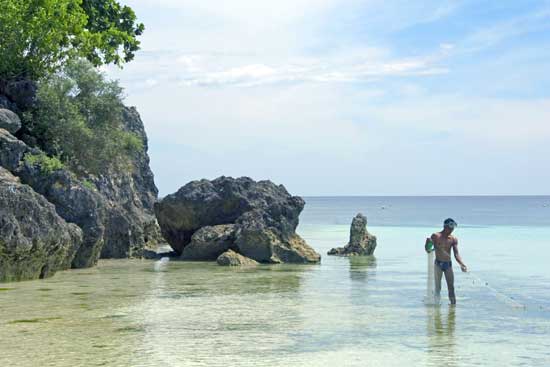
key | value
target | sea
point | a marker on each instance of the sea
(356, 311)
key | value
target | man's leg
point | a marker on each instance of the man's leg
(450, 278)
(437, 274)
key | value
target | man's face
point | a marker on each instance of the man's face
(449, 229)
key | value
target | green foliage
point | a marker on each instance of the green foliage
(38, 36)
(88, 184)
(46, 164)
(79, 118)
(114, 30)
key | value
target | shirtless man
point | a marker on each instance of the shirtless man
(443, 243)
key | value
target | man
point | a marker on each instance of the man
(443, 243)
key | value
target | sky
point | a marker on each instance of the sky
(346, 97)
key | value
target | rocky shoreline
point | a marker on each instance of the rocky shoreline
(110, 216)
(52, 220)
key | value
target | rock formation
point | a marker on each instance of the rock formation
(361, 242)
(231, 258)
(130, 223)
(259, 218)
(209, 242)
(35, 241)
(114, 210)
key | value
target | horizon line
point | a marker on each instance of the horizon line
(428, 196)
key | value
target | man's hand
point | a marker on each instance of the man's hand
(426, 245)
(464, 268)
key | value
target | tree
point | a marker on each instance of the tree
(38, 36)
(114, 30)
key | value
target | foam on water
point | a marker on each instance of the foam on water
(159, 265)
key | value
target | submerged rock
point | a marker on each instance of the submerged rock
(35, 241)
(264, 218)
(232, 258)
(361, 242)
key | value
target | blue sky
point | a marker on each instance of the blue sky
(347, 97)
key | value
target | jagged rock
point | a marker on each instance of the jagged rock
(12, 150)
(9, 121)
(131, 225)
(361, 242)
(265, 217)
(231, 258)
(35, 241)
(114, 210)
(74, 202)
(223, 201)
(259, 238)
(209, 242)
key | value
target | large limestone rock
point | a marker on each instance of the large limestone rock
(131, 226)
(115, 210)
(9, 120)
(361, 242)
(35, 241)
(232, 258)
(265, 216)
(75, 202)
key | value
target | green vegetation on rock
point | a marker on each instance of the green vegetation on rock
(79, 118)
(45, 163)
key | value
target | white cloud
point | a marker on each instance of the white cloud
(254, 87)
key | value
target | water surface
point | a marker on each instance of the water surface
(344, 312)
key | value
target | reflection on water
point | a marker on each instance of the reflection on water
(441, 336)
(362, 267)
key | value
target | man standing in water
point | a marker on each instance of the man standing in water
(443, 243)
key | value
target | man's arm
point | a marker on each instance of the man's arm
(458, 258)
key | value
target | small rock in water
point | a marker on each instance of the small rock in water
(232, 258)
(361, 242)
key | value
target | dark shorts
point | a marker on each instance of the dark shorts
(444, 265)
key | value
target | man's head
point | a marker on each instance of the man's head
(449, 225)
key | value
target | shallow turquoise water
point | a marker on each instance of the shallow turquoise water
(343, 312)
